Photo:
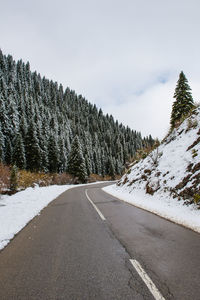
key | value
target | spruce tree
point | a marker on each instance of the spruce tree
(18, 157)
(53, 156)
(184, 101)
(8, 151)
(33, 151)
(111, 168)
(13, 179)
(76, 161)
(2, 145)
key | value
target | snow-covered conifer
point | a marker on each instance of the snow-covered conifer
(76, 161)
(18, 157)
(183, 100)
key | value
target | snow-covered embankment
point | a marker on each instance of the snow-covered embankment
(167, 181)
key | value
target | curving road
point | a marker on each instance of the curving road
(88, 245)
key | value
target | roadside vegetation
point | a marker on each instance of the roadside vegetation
(13, 179)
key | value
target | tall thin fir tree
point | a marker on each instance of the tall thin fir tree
(18, 157)
(183, 100)
(76, 162)
(2, 145)
(33, 151)
(53, 156)
(13, 179)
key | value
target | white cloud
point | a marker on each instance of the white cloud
(150, 113)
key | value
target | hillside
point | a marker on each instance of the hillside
(167, 181)
(174, 167)
(39, 121)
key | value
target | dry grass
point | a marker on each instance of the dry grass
(27, 179)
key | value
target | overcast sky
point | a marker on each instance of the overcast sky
(123, 55)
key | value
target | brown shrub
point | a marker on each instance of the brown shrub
(27, 179)
(125, 180)
(157, 174)
(144, 177)
(4, 178)
(147, 171)
(61, 179)
(133, 181)
(149, 189)
(183, 183)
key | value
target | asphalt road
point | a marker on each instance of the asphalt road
(70, 252)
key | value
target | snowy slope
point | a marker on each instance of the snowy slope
(168, 177)
(174, 167)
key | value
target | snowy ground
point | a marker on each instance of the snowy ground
(17, 210)
(162, 205)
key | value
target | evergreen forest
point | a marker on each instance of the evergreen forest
(40, 121)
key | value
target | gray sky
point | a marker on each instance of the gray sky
(123, 55)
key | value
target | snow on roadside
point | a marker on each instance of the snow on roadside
(17, 210)
(161, 205)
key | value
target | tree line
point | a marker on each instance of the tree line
(40, 122)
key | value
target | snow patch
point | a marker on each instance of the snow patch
(17, 210)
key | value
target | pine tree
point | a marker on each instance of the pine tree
(2, 145)
(53, 156)
(13, 179)
(33, 151)
(18, 157)
(8, 151)
(111, 168)
(184, 101)
(76, 161)
(88, 164)
(62, 155)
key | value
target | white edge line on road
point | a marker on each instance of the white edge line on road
(95, 207)
(149, 283)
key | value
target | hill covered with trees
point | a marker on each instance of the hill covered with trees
(39, 122)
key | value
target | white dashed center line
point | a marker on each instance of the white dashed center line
(147, 280)
(95, 207)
